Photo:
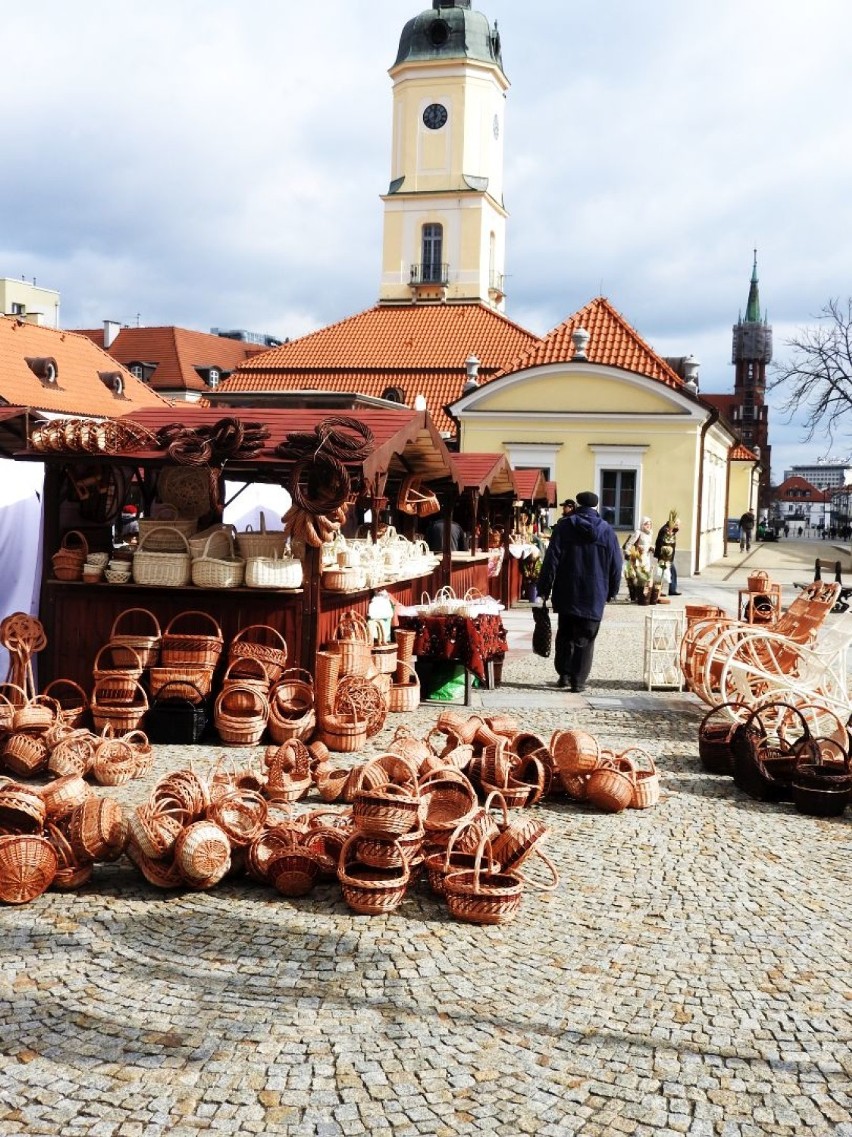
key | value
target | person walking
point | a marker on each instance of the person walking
(746, 530)
(643, 542)
(665, 547)
(582, 572)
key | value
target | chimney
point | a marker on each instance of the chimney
(581, 339)
(690, 374)
(111, 330)
(471, 366)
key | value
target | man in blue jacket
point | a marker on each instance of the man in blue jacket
(581, 571)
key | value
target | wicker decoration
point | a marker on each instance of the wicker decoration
(70, 557)
(210, 571)
(162, 569)
(263, 643)
(202, 854)
(198, 648)
(367, 890)
(240, 715)
(320, 484)
(365, 697)
(189, 490)
(414, 500)
(28, 864)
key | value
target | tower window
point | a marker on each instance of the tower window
(433, 247)
(439, 33)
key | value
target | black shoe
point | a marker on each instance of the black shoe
(578, 688)
(562, 681)
(675, 594)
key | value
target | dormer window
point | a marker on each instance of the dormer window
(142, 370)
(114, 381)
(46, 369)
(394, 394)
(212, 375)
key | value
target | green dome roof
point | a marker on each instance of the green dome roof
(450, 31)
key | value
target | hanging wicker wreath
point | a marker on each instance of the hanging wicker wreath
(320, 485)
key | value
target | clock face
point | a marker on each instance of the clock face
(435, 116)
(496, 126)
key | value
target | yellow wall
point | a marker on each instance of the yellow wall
(41, 305)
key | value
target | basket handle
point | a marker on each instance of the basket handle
(170, 627)
(127, 612)
(295, 673)
(84, 544)
(411, 668)
(216, 533)
(636, 755)
(260, 698)
(66, 683)
(99, 683)
(160, 529)
(239, 661)
(241, 634)
(7, 686)
(109, 646)
(553, 872)
(158, 698)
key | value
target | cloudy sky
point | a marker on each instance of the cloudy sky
(213, 163)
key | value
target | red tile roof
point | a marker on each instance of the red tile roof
(797, 488)
(484, 472)
(177, 352)
(531, 485)
(78, 390)
(419, 348)
(612, 342)
(741, 453)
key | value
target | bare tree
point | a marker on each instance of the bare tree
(818, 376)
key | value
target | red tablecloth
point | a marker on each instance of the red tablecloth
(456, 638)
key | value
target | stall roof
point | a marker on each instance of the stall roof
(484, 472)
(405, 441)
(531, 485)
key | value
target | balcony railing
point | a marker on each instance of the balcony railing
(497, 283)
(430, 274)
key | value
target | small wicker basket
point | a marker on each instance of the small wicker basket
(162, 569)
(193, 647)
(209, 571)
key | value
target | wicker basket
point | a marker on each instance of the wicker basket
(97, 830)
(367, 890)
(117, 717)
(162, 569)
(294, 871)
(273, 572)
(38, 714)
(345, 731)
(715, 736)
(145, 645)
(574, 752)
(202, 854)
(121, 665)
(25, 755)
(405, 692)
(353, 643)
(72, 699)
(241, 813)
(196, 648)
(209, 571)
(479, 896)
(386, 812)
(448, 800)
(758, 581)
(263, 643)
(611, 786)
(384, 652)
(240, 714)
(646, 791)
(70, 557)
(160, 532)
(291, 706)
(326, 671)
(344, 579)
(266, 543)
(28, 864)
(192, 684)
(63, 794)
(221, 539)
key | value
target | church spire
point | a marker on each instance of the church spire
(753, 306)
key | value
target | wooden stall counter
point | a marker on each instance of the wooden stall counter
(78, 618)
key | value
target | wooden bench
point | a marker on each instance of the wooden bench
(822, 565)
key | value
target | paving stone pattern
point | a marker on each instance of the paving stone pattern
(690, 975)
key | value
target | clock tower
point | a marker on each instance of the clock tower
(444, 220)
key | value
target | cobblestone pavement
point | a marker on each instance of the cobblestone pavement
(689, 975)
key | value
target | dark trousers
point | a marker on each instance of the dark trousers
(575, 647)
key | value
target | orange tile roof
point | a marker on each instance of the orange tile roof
(612, 342)
(793, 488)
(419, 348)
(79, 389)
(177, 352)
(530, 485)
(484, 472)
(741, 453)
